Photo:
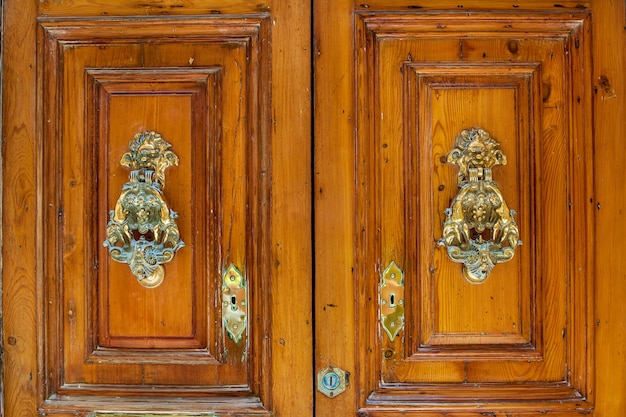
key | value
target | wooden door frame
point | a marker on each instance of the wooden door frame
(291, 252)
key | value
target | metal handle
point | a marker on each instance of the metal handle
(479, 230)
(142, 230)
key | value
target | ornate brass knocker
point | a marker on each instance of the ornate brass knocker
(142, 231)
(479, 230)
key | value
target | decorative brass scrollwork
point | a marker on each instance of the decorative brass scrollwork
(142, 230)
(479, 230)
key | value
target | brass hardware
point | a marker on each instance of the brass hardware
(479, 230)
(332, 381)
(234, 303)
(392, 300)
(142, 231)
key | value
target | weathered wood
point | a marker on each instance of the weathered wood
(151, 7)
(334, 118)
(390, 94)
(83, 328)
(531, 321)
(202, 94)
(291, 255)
(21, 208)
(609, 201)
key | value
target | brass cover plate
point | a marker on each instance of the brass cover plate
(332, 381)
(234, 303)
(392, 300)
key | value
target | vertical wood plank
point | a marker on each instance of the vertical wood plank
(291, 252)
(20, 204)
(334, 199)
(609, 66)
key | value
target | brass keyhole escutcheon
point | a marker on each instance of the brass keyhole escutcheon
(392, 300)
(234, 303)
(332, 381)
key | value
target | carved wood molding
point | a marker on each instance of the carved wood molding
(204, 84)
(421, 78)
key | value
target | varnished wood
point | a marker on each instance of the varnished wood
(291, 251)
(440, 5)
(489, 313)
(141, 91)
(20, 207)
(335, 118)
(151, 8)
(609, 200)
(554, 319)
(347, 328)
(129, 316)
(517, 321)
(95, 333)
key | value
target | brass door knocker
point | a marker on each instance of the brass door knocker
(479, 230)
(142, 230)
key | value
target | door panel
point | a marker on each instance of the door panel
(229, 86)
(203, 97)
(421, 80)
(212, 338)
(427, 341)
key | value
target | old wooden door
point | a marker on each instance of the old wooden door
(118, 114)
(408, 96)
(143, 109)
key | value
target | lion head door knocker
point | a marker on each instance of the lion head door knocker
(142, 230)
(479, 230)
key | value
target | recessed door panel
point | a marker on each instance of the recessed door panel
(176, 103)
(448, 97)
(136, 120)
(425, 84)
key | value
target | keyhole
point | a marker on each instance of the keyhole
(233, 300)
(392, 301)
(331, 381)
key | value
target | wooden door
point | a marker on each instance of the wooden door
(118, 114)
(383, 323)
(399, 87)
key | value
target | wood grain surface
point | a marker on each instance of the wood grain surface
(312, 139)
